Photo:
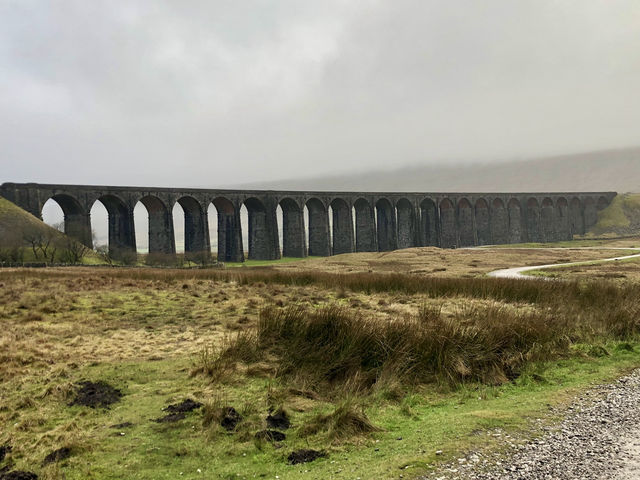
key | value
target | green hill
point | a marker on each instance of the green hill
(25, 238)
(621, 217)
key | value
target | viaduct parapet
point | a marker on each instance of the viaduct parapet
(361, 221)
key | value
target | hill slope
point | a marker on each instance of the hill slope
(18, 229)
(14, 221)
(622, 217)
(610, 170)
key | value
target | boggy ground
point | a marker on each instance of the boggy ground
(149, 333)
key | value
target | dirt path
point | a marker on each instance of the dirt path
(517, 272)
(598, 439)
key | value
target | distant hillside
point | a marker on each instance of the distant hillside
(617, 170)
(622, 217)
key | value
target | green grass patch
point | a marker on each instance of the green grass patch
(452, 421)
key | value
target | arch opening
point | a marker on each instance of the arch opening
(161, 240)
(262, 230)
(342, 227)
(515, 221)
(499, 221)
(448, 230)
(319, 233)
(548, 221)
(406, 224)
(429, 223)
(466, 223)
(229, 229)
(120, 231)
(365, 226)
(195, 230)
(292, 223)
(534, 230)
(76, 222)
(483, 222)
(386, 225)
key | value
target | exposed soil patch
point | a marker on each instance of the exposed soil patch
(304, 456)
(18, 475)
(185, 406)
(96, 394)
(271, 435)
(57, 455)
(230, 419)
(4, 449)
(279, 420)
(172, 417)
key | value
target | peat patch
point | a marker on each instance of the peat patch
(57, 455)
(4, 449)
(171, 418)
(18, 475)
(279, 420)
(270, 435)
(185, 406)
(230, 418)
(304, 456)
(96, 394)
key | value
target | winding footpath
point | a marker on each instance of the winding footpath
(599, 437)
(517, 272)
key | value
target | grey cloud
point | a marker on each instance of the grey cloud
(216, 93)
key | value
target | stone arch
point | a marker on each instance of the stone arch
(515, 221)
(229, 247)
(466, 223)
(122, 235)
(483, 222)
(263, 230)
(590, 213)
(342, 227)
(365, 226)
(448, 231)
(534, 231)
(293, 231)
(548, 221)
(499, 222)
(576, 218)
(406, 223)
(429, 231)
(77, 223)
(386, 225)
(161, 238)
(196, 229)
(562, 216)
(319, 244)
(602, 203)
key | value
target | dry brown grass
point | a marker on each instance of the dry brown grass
(431, 261)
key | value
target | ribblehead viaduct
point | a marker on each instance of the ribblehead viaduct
(360, 221)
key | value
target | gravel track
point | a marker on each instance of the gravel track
(519, 272)
(599, 438)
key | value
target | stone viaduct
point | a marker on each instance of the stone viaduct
(361, 221)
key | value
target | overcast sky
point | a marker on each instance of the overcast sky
(219, 93)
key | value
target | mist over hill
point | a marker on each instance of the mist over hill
(616, 170)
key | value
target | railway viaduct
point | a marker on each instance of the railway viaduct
(361, 221)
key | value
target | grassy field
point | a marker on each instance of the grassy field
(495, 356)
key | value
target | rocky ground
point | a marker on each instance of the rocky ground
(599, 438)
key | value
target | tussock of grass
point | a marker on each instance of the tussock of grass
(332, 348)
(347, 421)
